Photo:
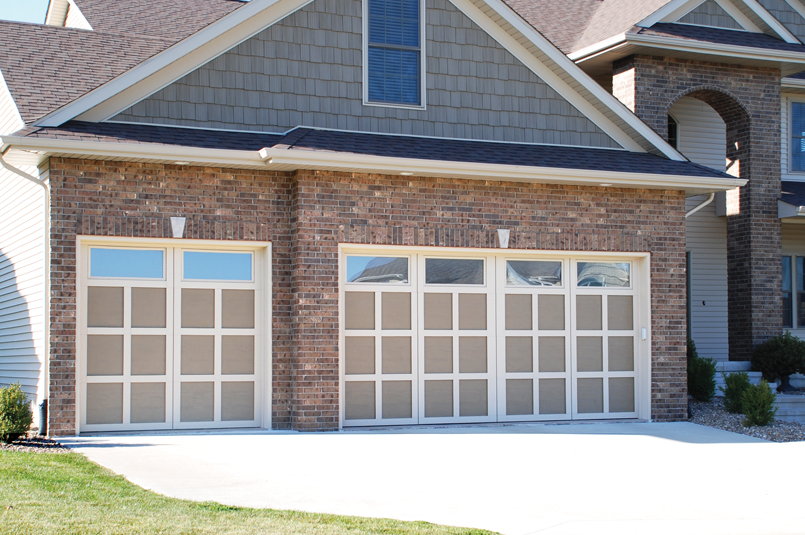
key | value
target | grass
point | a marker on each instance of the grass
(67, 494)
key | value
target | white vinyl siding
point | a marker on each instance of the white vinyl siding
(76, 19)
(702, 138)
(22, 271)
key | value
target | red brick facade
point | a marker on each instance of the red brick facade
(748, 100)
(306, 215)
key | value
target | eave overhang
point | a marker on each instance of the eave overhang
(598, 58)
(35, 151)
(790, 213)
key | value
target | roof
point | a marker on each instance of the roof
(793, 193)
(391, 146)
(167, 19)
(66, 63)
(574, 24)
(718, 36)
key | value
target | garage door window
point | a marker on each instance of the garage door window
(453, 271)
(607, 275)
(217, 266)
(377, 269)
(533, 273)
(127, 263)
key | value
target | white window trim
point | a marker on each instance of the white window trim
(422, 62)
(258, 248)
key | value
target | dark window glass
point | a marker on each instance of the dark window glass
(453, 271)
(673, 132)
(533, 273)
(394, 52)
(788, 311)
(800, 294)
(798, 136)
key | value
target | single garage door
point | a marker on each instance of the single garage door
(443, 338)
(170, 337)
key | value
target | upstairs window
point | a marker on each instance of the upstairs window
(798, 136)
(393, 52)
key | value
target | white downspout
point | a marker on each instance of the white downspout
(46, 188)
(702, 205)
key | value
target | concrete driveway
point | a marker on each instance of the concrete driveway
(623, 478)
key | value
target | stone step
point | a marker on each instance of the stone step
(790, 408)
(754, 378)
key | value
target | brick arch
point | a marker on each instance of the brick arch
(733, 112)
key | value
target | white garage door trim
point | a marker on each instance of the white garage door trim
(495, 261)
(262, 278)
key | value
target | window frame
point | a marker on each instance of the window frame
(422, 62)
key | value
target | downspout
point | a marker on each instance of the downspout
(702, 205)
(46, 347)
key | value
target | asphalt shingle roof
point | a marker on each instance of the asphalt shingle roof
(173, 20)
(719, 36)
(346, 143)
(793, 193)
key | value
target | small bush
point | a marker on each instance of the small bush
(758, 405)
(779, 357)
(736, 385)
(701, 375)
(15, 413)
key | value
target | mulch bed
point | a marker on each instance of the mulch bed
(33, 443)
(713, 414)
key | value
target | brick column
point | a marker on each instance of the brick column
(748, 100)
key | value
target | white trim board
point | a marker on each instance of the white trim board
(508, 28)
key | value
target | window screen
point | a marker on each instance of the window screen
(394, 52)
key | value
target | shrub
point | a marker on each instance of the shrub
(15, 413)
(736, 385)
(779, 357)
(701, 375)
(758, 404)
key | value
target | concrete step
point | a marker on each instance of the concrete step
(790, 408)
(754, 377)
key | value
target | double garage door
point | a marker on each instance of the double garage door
(430, 338)
(170, 337)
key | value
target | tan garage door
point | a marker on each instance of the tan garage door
(171, 338)
(443, 338)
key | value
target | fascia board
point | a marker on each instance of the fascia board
(600, 46)
(768, 19)
(56, 8)
(285, 160)
(495, 29)
(670, 12)
(514, 173)
(746, 52)
(180, 59)
(218, 157)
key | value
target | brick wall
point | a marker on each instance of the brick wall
(307, 214)
(748, 100)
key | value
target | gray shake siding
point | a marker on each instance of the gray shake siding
(786, 14)
(710, 14)
(306, 70)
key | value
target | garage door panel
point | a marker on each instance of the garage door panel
(166, 356)
(379, 356)
(495, 339)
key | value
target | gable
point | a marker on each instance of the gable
(784, 11)
(711, 14)
(306, 70)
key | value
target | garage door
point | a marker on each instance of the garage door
(170, 338)
(441, 338)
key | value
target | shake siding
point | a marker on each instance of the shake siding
(702, 138)
(306, 70)
(22, 284)
(786, 14)
(710, 14)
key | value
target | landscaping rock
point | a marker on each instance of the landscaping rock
(713, 414)
(34, 443)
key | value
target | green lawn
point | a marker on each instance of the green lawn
(67, 494)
